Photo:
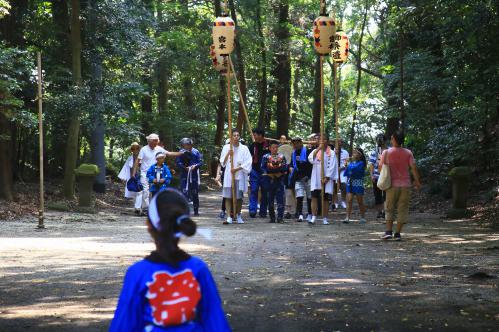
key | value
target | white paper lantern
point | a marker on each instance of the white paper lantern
(224, 32)
(324, 31)
(341, 47)
(220, 63)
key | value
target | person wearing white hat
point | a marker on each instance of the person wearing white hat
(147, 158)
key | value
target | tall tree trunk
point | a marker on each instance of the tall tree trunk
(316, 108)
(219, 134)
(262, 82)
(401, 60)
(12, 32)
(221, 104)
(359, 77)
(239, 64)
(162, 66)
(74, 121)
(6, 173)
(58, 138)
(283, 68)
(293, 105)
(97, 94)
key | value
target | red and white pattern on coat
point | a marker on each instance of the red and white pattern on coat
(173, 297)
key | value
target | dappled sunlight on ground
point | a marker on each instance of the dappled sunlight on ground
(271, 277)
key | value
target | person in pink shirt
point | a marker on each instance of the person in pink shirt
(398, 195)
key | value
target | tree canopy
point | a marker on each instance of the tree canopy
(123, 69)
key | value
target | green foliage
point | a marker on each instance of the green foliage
(153, 49)
(14, 70)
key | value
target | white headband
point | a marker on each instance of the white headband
(155, 219)
(160, 154)
(153, 214)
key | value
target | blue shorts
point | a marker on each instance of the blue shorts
(355, 186)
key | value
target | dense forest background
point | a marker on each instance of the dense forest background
(116, 70)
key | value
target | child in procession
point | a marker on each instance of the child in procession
(169, 290)
(159, 175)
(355, 172)
(274, 169)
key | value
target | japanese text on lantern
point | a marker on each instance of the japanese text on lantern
(222, 40)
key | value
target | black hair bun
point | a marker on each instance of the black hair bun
(187, 226)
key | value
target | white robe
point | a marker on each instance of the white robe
(330, 171)
(343, 158)
(125, 175)
(242, 158)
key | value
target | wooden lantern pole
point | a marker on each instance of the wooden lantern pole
(336, 121)
(245, 111)
(231, 149)
(41, 209)
(323, 148)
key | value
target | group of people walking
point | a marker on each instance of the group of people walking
(146, 166)
(283, 179)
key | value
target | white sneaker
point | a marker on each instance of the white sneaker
(300, 218)
(229, 220)
(325, 222)
(346, 220)
(312, 220)
(309, 217)
(240, 219)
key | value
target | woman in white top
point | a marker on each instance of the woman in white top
(242, 167)
(330, 174)
(126, 174)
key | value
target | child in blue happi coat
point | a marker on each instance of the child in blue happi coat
(159, 175)
(355, 172)
(169, 290)
(274, 169)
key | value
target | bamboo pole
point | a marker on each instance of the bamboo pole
(336, 121)
(322, 139)
(40, 141)
(241, 100)
(231, 149)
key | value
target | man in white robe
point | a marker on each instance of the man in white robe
(330, 174)
(241, 170)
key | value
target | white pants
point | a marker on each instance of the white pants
(144, 194)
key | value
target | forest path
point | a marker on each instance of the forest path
(271, 277)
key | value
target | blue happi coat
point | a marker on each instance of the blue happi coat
(189, 158)
(158, 297)
(164, 174)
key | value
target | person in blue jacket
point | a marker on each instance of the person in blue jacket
(169, 290)
(257, 181)
(189, 164)
(274, 170)
(159, 175)
(355, 173)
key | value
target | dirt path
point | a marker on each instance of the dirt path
(272, 277)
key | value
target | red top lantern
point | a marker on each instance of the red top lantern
(324, 31)
(224, 32)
